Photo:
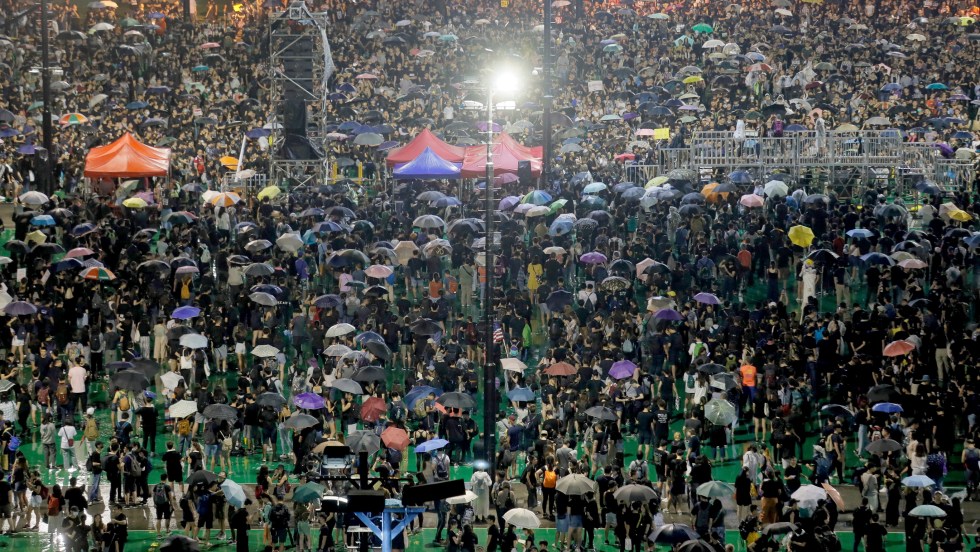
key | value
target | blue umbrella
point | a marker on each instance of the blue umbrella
(26, 149)
(860, 233)
(158, 90)
(416, 393)
(257, 133)
(740, 177)
(137, 105)
(633, 193)
(887, 407)
(878, 259)
(508, 203)
(43, 220)
(431, 445)
(521, 394)
(595, 188)
(973, 241)
(156, 15)
(623, 186)
(83, 229)
(560, 227)
(67, 264)
(185, 313)
(328, 226)
(448, 201)
(891, 87)
(8, 132)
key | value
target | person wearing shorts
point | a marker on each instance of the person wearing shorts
(165, 511)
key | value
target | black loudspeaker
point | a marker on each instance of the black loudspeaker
(372, 502)
(420, 494)
(524, 172)
(336, 452)
(294, 116)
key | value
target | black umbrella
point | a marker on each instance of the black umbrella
(673, 533)
(327, 301)
(425, 326)
(221, 412)
(455, 399)
(711, 369)
(113, 367)
(370, 374)
(146, 366)
(274, 400)
(559, 299)
(883, 393)
(378, 349)
(131, 380)
(882, 446)
(201, 477)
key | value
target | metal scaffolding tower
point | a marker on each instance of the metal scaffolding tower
(300, 65)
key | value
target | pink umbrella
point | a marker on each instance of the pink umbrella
(751, 200)
(912, 263)
(378, 271)
(79, 252)
(834, 495)
(898, 348)
(366, 76)
(209, 45)
(645, 132)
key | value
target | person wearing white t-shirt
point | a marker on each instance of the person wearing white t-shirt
(67, 434)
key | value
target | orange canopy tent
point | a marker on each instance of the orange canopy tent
(127, 157)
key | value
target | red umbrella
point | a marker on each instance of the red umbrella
(625, 156)
(395, 437)
(560, 369)
(898, 348)
(372, 409)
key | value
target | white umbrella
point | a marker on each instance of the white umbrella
(33, 198)
(522, 518)
(337, 350)
(265, 351)
(338, 330)
(171, 380)
(775, 188)
(193, 341)
(576, 484)
(234, 493)
(513, 365)
(427, 221)
(290, 242)
(809, 493)
(183, 409)
(466, 498)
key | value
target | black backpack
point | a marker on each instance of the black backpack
(279, 516)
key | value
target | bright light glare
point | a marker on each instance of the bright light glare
(505, 81)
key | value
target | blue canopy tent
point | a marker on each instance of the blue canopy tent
(427, 166)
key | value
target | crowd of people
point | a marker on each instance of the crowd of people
(672, 363)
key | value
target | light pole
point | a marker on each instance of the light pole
(503, 82)
(47, 178)
(546, 68)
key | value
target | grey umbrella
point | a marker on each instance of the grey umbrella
(636, 493)
(348, 386)
(364, 441)
(378, 349)
(259, 269)
(455, 399)
(370, 374)
(602, 413)
(274, 400)
(221, 412)
(300, 421)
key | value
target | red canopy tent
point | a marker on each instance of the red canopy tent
(127, 157)
(425, 139)
(507, 152)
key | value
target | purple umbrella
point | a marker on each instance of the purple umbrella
(593, 257)
(185, 313)
(482, 127)
(385, 146)
(668, 314)
(508, 203)
(622, 369)
(26, 149)
(707, 298)
(309, 401)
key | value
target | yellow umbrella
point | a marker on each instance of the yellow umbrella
(656, 181)
(801, 236)
(135, 203)
(270, 192)
(960, 215)
(966, 21)
(229, 162)
(36, 236)
(225, 199)
(693, 79)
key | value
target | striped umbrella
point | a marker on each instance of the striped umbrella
(73, 119)
(98, 273)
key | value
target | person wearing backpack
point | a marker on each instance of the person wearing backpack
(183, 429)
(120, 405)
(124, 429)
(503, 500)
(91, 430)
(94, 467)
(56, 503)
(548, 475)
(278, 525)
(63, 396)
(132, 470)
